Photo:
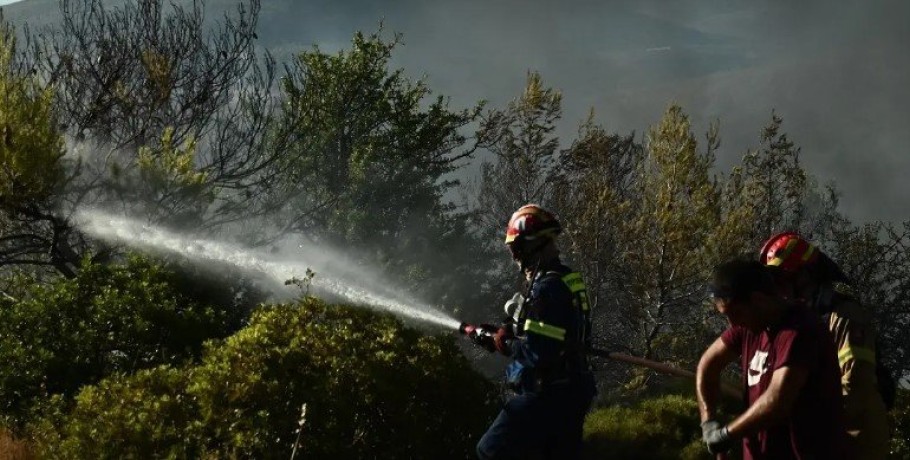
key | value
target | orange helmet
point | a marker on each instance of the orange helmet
(531, 225)
(788, 251)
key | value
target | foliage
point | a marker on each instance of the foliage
(373, 389)
(668, 237)
(128, 73)
(876, 258)
(185, 120)
(366, 152)
(522, 140)
(124, 418)
(646, 222)
(665, 427)
(31, 148)
(167, 115)
(32, 168)
(772, 192)
(594, 193)
(167, 182)
(72, 332)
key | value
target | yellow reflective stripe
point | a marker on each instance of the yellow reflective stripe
(577, 286)
(544, 329)
(574, 282)
(808, 253)
(858, 353)
(775, 261)
(791, 245)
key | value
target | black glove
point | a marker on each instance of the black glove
(716, 437)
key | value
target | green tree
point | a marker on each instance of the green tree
(645, 224)
(876, 258)
(595, 190)
(31, 148)
(772, 191)
(166, 183)
(367, 154)
(32, 168)
(669, 239)
(146, 91)
(522, 141)
(373, 389)
(68, 333)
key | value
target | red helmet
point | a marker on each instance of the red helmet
(531, 225)
(789, 251)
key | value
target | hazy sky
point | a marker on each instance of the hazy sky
(837, 72)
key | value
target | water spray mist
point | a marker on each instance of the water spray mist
(334, 280)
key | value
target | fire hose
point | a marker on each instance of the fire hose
(669, 369)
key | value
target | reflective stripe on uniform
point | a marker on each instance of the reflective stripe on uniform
(858, 353)
(544, 329)
(577, 286)
(808, 253)
(574, 282)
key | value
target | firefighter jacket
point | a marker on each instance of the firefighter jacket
(854, 336)
(552, 331)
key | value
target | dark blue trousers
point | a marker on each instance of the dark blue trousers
(544, 424)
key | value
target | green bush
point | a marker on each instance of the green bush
(665, 427)
(123, 417)
(373, 389)
(109, 319)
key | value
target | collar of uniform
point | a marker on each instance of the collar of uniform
(552, 265)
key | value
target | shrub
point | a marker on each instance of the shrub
(123, 417)
(665, 427)
(109, 319)
(374, 389)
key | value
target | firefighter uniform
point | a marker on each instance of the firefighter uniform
(851, 328)
(865, 415)
(549, 372)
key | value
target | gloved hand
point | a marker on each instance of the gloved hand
(492, 338)
(501, 340)
(716, 437)
(482, 336)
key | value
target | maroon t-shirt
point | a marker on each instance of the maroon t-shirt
(814, 429)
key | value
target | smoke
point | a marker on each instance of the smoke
(335, 276)
(835, 71)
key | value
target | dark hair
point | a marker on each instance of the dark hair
(736, 279)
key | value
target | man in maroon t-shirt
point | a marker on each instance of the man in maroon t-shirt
(789, 367)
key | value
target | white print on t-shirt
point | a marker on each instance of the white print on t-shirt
(757, 367)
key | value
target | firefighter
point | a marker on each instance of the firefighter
(807, 274)
(790, 374)
(547, 337)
